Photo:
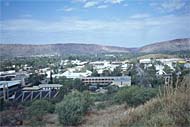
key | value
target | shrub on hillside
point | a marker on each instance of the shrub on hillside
(112, 89)
(72, 109)
(134, 95)
(37, 110)
(101, 97)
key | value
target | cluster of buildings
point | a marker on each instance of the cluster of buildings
(15, 85)
(161, 63)
(100, 66)
(12, 82)
(79, 71)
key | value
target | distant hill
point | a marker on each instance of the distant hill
(13, 50)
(167, 46)
(56, 49)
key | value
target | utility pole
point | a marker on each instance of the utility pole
(5, 91)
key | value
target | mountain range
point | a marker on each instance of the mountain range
(13, 50)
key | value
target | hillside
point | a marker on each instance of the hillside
(167, 46)
(13, 50)
(166, 110)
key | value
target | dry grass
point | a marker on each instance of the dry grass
(105, 118)
(98, 118)
(170, 110)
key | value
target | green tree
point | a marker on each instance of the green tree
(151, 77)
(35, 79)
(167, 69)
(134, 95)
(95, 73)
(51, 78)
(106, 73)
(72, 109)
(134, 75)
(78, 85)
(89, 67)
(37, 110)
(117, 71)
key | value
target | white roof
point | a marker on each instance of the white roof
(7, 72)
(50, 85)
(74, 74)
(42, 86)
(31, 88)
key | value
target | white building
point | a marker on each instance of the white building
(145, 61)
(159, 69)
(73, 75)
(108, 80)
(100, 66)
(7, 72)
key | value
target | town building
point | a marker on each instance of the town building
(43, 87)
(119, 81)
(73, 75)
(8, 88)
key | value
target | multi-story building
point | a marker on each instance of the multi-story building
(110, 80)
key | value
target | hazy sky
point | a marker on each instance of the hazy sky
(128, 23)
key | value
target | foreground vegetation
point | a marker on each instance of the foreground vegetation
(125, 107)
(169, 110)
(72, 109)
(75, 105)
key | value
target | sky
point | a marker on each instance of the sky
(125, 23)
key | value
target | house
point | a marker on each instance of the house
(145, 61)
(124, 66)
(187, 65)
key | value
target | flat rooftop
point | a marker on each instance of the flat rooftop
(108, 77)
(50, 85)
(9, 83)
(41, 86)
